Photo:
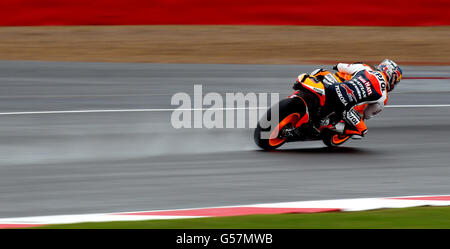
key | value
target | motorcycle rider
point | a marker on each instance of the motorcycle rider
(362, 94)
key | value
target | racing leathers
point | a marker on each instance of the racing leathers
(361, 96)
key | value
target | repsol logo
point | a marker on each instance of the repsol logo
(353, 118)
(381, 80)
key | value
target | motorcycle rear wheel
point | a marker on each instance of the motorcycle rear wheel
(291, 111)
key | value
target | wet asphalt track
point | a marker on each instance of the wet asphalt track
(127, 161)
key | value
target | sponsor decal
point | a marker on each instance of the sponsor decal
(340, 96)
(381, 80)
(350, 92)
(368, 88)
(329, 79)
(357, 87)
(353, 117)
(383, 86)
(367, 85)
(317, 90)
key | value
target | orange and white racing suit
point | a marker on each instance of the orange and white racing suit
(361, 96)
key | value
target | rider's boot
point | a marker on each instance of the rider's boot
(355, 126)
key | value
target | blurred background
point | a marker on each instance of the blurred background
(224, 31)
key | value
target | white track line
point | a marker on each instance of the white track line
(127, 110)
(193, 109)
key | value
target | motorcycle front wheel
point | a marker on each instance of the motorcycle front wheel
(332, 139)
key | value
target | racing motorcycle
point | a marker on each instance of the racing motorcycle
(304, 115)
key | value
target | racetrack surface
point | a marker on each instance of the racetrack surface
(73, 163)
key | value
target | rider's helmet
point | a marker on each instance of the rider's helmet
(392, 71)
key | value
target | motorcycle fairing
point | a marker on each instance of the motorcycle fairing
(313, 86)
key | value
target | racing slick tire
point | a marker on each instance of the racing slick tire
(332, 139)
(291, 112)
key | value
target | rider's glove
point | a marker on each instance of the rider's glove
(335, 67)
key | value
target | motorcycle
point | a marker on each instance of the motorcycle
(303, 116)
